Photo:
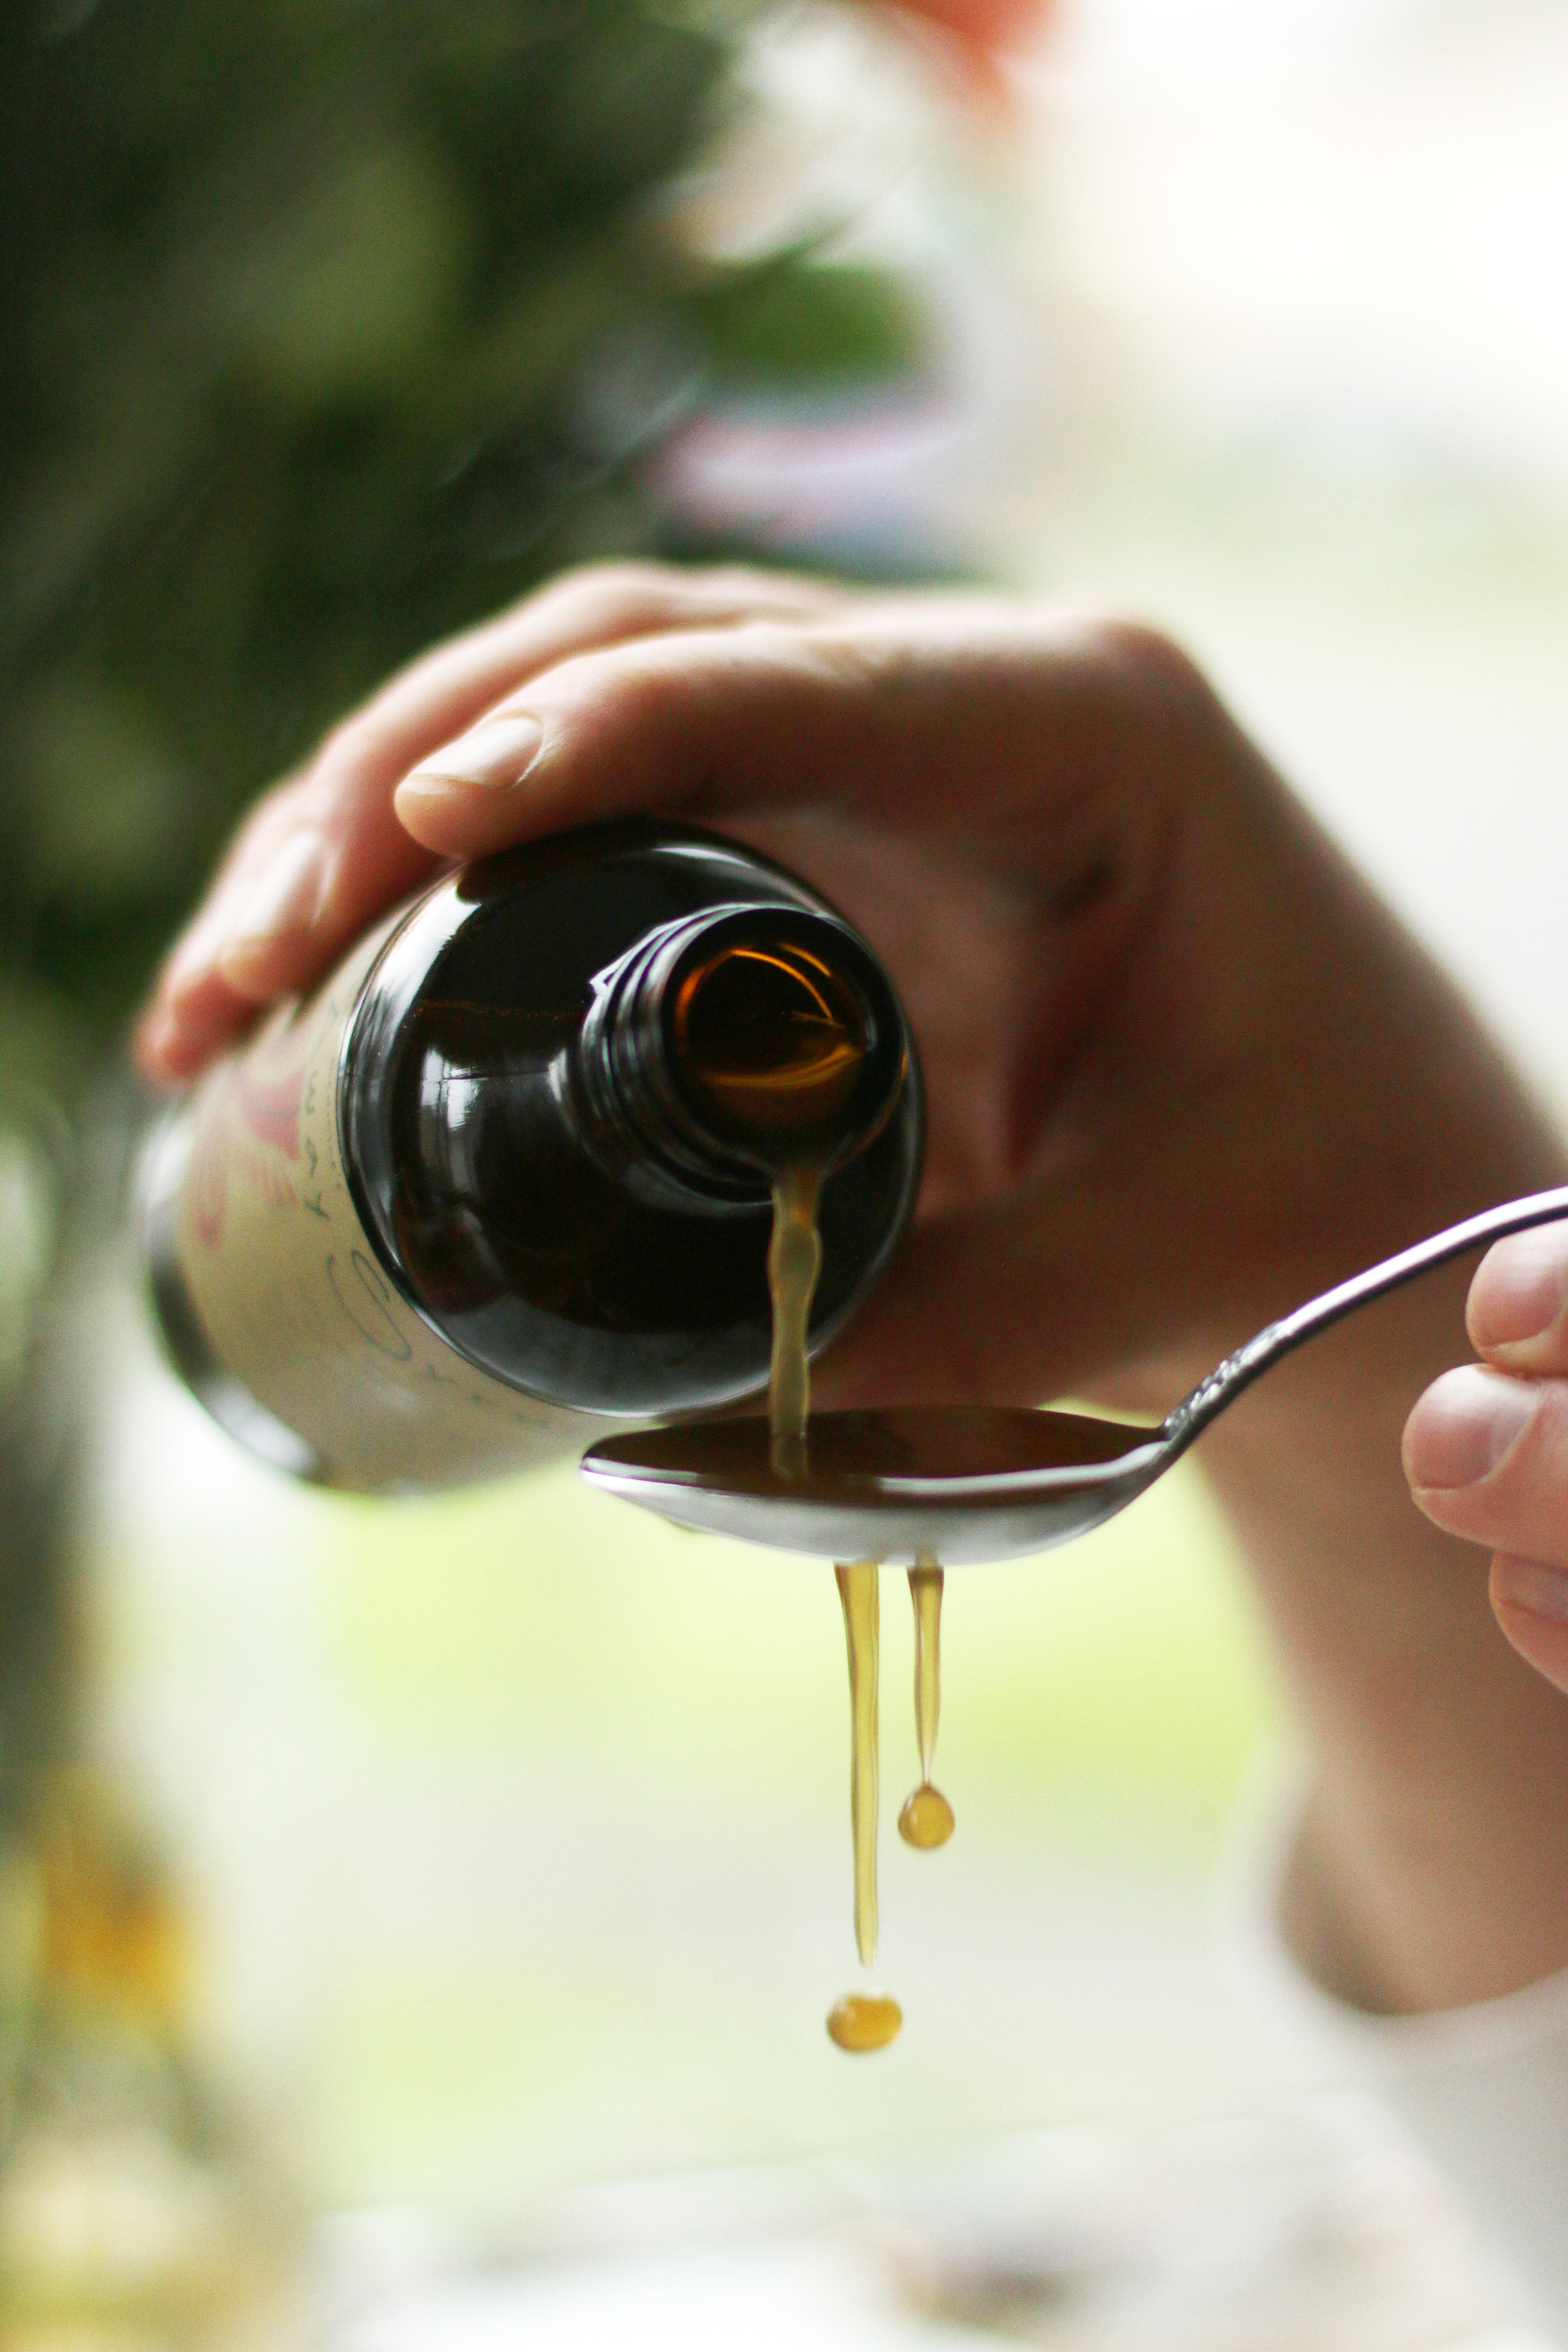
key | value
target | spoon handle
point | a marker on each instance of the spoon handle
(1239, 1371)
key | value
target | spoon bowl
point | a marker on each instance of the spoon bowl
(952, 1483)
(960, 1483)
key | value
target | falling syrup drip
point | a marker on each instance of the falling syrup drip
(860, 2020)
(926, 1818)
(858, 1592)
(863, 2021)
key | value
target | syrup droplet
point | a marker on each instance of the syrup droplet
(865, 2021)
(926, 1818)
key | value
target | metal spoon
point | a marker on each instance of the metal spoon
(958, 1483)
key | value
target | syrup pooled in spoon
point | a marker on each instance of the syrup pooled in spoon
(876, 1455)
(926, 1819)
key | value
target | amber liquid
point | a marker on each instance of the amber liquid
(771, 1043)
(772, 1038)
(925, 1592)
(478, 1174)
(926, 1818)
(858, 1594)
(868, 2020)
(860, 1457)
(865, 2021)
(794, 1262)
(853, 1455)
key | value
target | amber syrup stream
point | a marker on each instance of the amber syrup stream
(860, 2020)
(794, 1262)
(863, 2021)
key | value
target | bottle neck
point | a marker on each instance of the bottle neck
(732, 1046)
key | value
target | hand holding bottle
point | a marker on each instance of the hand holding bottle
(1182, 1071)
(1115, 934)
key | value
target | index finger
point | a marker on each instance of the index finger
(926, 711)
(323, 855)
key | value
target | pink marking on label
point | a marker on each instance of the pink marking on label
(270, 1106)
(208, 1179)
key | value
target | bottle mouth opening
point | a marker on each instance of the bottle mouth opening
(773, 1037)
(732, 1045)
(783, 1048)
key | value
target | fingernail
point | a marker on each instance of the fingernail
(1519, 1289)
(1463, 1426)
(286, 896)
(496, 751)
(1528, 1585)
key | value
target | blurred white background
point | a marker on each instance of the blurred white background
(1302, 270)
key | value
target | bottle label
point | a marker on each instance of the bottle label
(275, 1304)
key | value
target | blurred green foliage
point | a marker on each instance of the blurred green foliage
(329, 327)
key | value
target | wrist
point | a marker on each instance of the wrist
(1433, 1870)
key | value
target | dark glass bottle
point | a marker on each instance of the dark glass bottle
(509, 1179)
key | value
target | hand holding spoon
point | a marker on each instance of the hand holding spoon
(961, 1482)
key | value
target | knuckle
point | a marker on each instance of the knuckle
(1529, 1490)
(651, 694)
(626, 592)
(1136, 653)
(603, 592)
(616, 691)
(1545, 1450)
(883, 666)
(743, 584)
(344, 747)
